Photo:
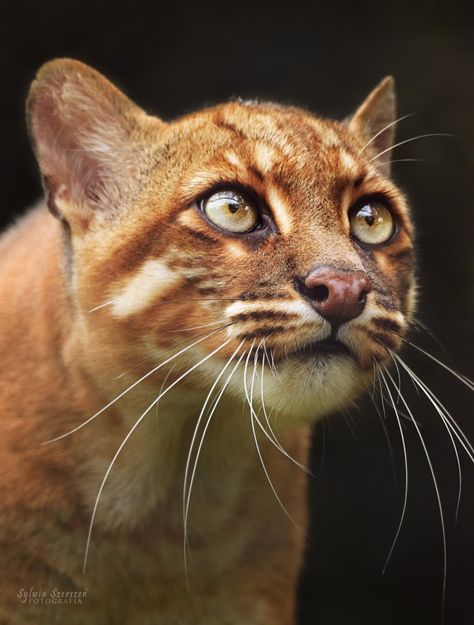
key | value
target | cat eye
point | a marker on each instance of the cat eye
(371, 222)
(230, 211)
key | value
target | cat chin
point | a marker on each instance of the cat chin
(306, 390)
(302, 390)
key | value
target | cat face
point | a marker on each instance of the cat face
(271, 239)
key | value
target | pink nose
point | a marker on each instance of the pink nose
(338, 296)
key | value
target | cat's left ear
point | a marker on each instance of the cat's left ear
(90, 140)
(374, 123)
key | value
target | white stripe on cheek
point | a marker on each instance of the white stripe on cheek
(281, 210)
(153, 280)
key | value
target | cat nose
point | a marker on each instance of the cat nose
(336, 295)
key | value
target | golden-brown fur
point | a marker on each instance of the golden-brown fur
(126, 276)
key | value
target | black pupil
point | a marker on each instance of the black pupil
(234, 206)
(369, 215)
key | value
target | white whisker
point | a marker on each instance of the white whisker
(383, 130)
(252, 422)
(187, 494)
(405, 465)
(273, 440)
(436, 488)
(130, 432)
(382, 420)
(425, 390)
(108, 303)
(144, 377)
(462, 378)
(396, 145)
(272, 432)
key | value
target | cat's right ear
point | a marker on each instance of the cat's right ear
(374, 124)
(88, 138)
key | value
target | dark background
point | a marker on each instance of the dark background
(325, 56)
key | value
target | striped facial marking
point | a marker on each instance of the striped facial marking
(152, 281)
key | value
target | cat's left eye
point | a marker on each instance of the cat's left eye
(230, 211)
(371, 222)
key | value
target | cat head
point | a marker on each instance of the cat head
(271, 241)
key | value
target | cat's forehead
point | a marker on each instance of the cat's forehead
(277, 141)
(281, 127)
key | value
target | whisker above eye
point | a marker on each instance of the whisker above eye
(396, 145)
(384, 129)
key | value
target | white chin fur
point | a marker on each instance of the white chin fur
(304, 390)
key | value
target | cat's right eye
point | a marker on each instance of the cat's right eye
(230, 211)
(371, 222)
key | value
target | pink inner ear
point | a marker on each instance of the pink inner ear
(81, 129)
(64, 162)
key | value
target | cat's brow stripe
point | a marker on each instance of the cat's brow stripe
(223, 124)
(281, 210)
(256, 172)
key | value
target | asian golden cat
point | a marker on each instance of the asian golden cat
(188, 300)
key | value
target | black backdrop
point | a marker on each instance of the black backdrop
(326, 56)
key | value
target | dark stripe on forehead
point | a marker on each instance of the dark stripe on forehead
(256, 172)
(358, 181)
(224, 124)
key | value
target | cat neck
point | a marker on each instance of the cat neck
(148, 474)
(52, 392)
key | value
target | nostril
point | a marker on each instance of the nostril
(320, 293)
(362, 298)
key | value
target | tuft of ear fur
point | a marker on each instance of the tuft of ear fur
(374, 123)
(86, 135)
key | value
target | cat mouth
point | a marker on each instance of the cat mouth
(327, 347)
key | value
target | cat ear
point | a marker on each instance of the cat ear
(87, 137)
(374, 123)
